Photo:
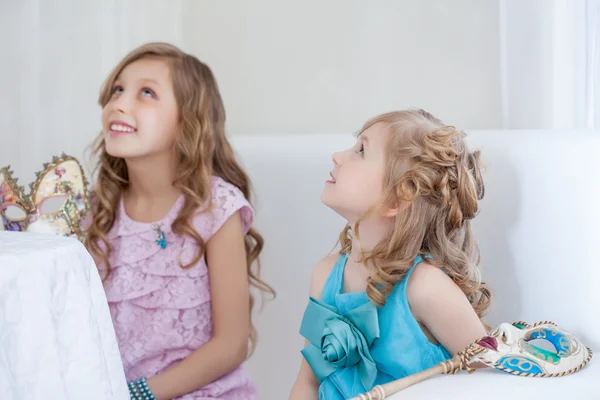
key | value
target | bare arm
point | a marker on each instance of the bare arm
(228, 347)
(441, 306)
(306, 386)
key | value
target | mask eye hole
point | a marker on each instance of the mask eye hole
(14, 213)
(542, 344)
(548, 345)
(52, 204)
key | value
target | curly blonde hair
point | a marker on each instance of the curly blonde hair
(202, 151)
(435, 183)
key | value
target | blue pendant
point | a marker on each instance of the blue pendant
(162, 242)
(160, 235)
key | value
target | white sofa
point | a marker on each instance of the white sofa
(538, 232)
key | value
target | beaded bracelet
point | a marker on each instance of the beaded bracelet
(139, 390)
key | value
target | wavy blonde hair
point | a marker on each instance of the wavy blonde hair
(436, 184)
(202, 151)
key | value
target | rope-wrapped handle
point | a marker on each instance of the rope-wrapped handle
(461, 361)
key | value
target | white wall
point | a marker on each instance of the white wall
(306, 66)
(283, 67)
(300, 67)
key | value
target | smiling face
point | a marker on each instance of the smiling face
(356, 182)
(141, 117)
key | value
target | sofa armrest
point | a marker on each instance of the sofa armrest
(490, 384)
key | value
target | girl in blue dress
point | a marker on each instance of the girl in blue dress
(404, 293)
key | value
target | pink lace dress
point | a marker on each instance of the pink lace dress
(161, 312)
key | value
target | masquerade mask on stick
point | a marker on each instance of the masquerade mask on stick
(56, 204)
(515, 349)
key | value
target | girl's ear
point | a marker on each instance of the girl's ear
(389, 212)
(391, 209)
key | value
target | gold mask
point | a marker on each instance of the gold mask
(57, 203)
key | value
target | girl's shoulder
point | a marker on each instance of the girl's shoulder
(227, 199)
(321, 272)
(222, 191)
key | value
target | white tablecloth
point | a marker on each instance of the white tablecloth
(56, 336)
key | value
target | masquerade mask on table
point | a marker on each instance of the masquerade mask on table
(539, 350)
(56, 204)
(543, 350)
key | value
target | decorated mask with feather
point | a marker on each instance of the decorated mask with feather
(57, 202)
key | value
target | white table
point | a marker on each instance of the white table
(56, 336)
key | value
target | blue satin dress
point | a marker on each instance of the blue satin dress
(355, 345)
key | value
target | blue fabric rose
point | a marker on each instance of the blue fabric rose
(340, 341)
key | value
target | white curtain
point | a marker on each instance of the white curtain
(550, 63)
(55, 55)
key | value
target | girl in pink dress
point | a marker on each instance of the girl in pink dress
(171, 230)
